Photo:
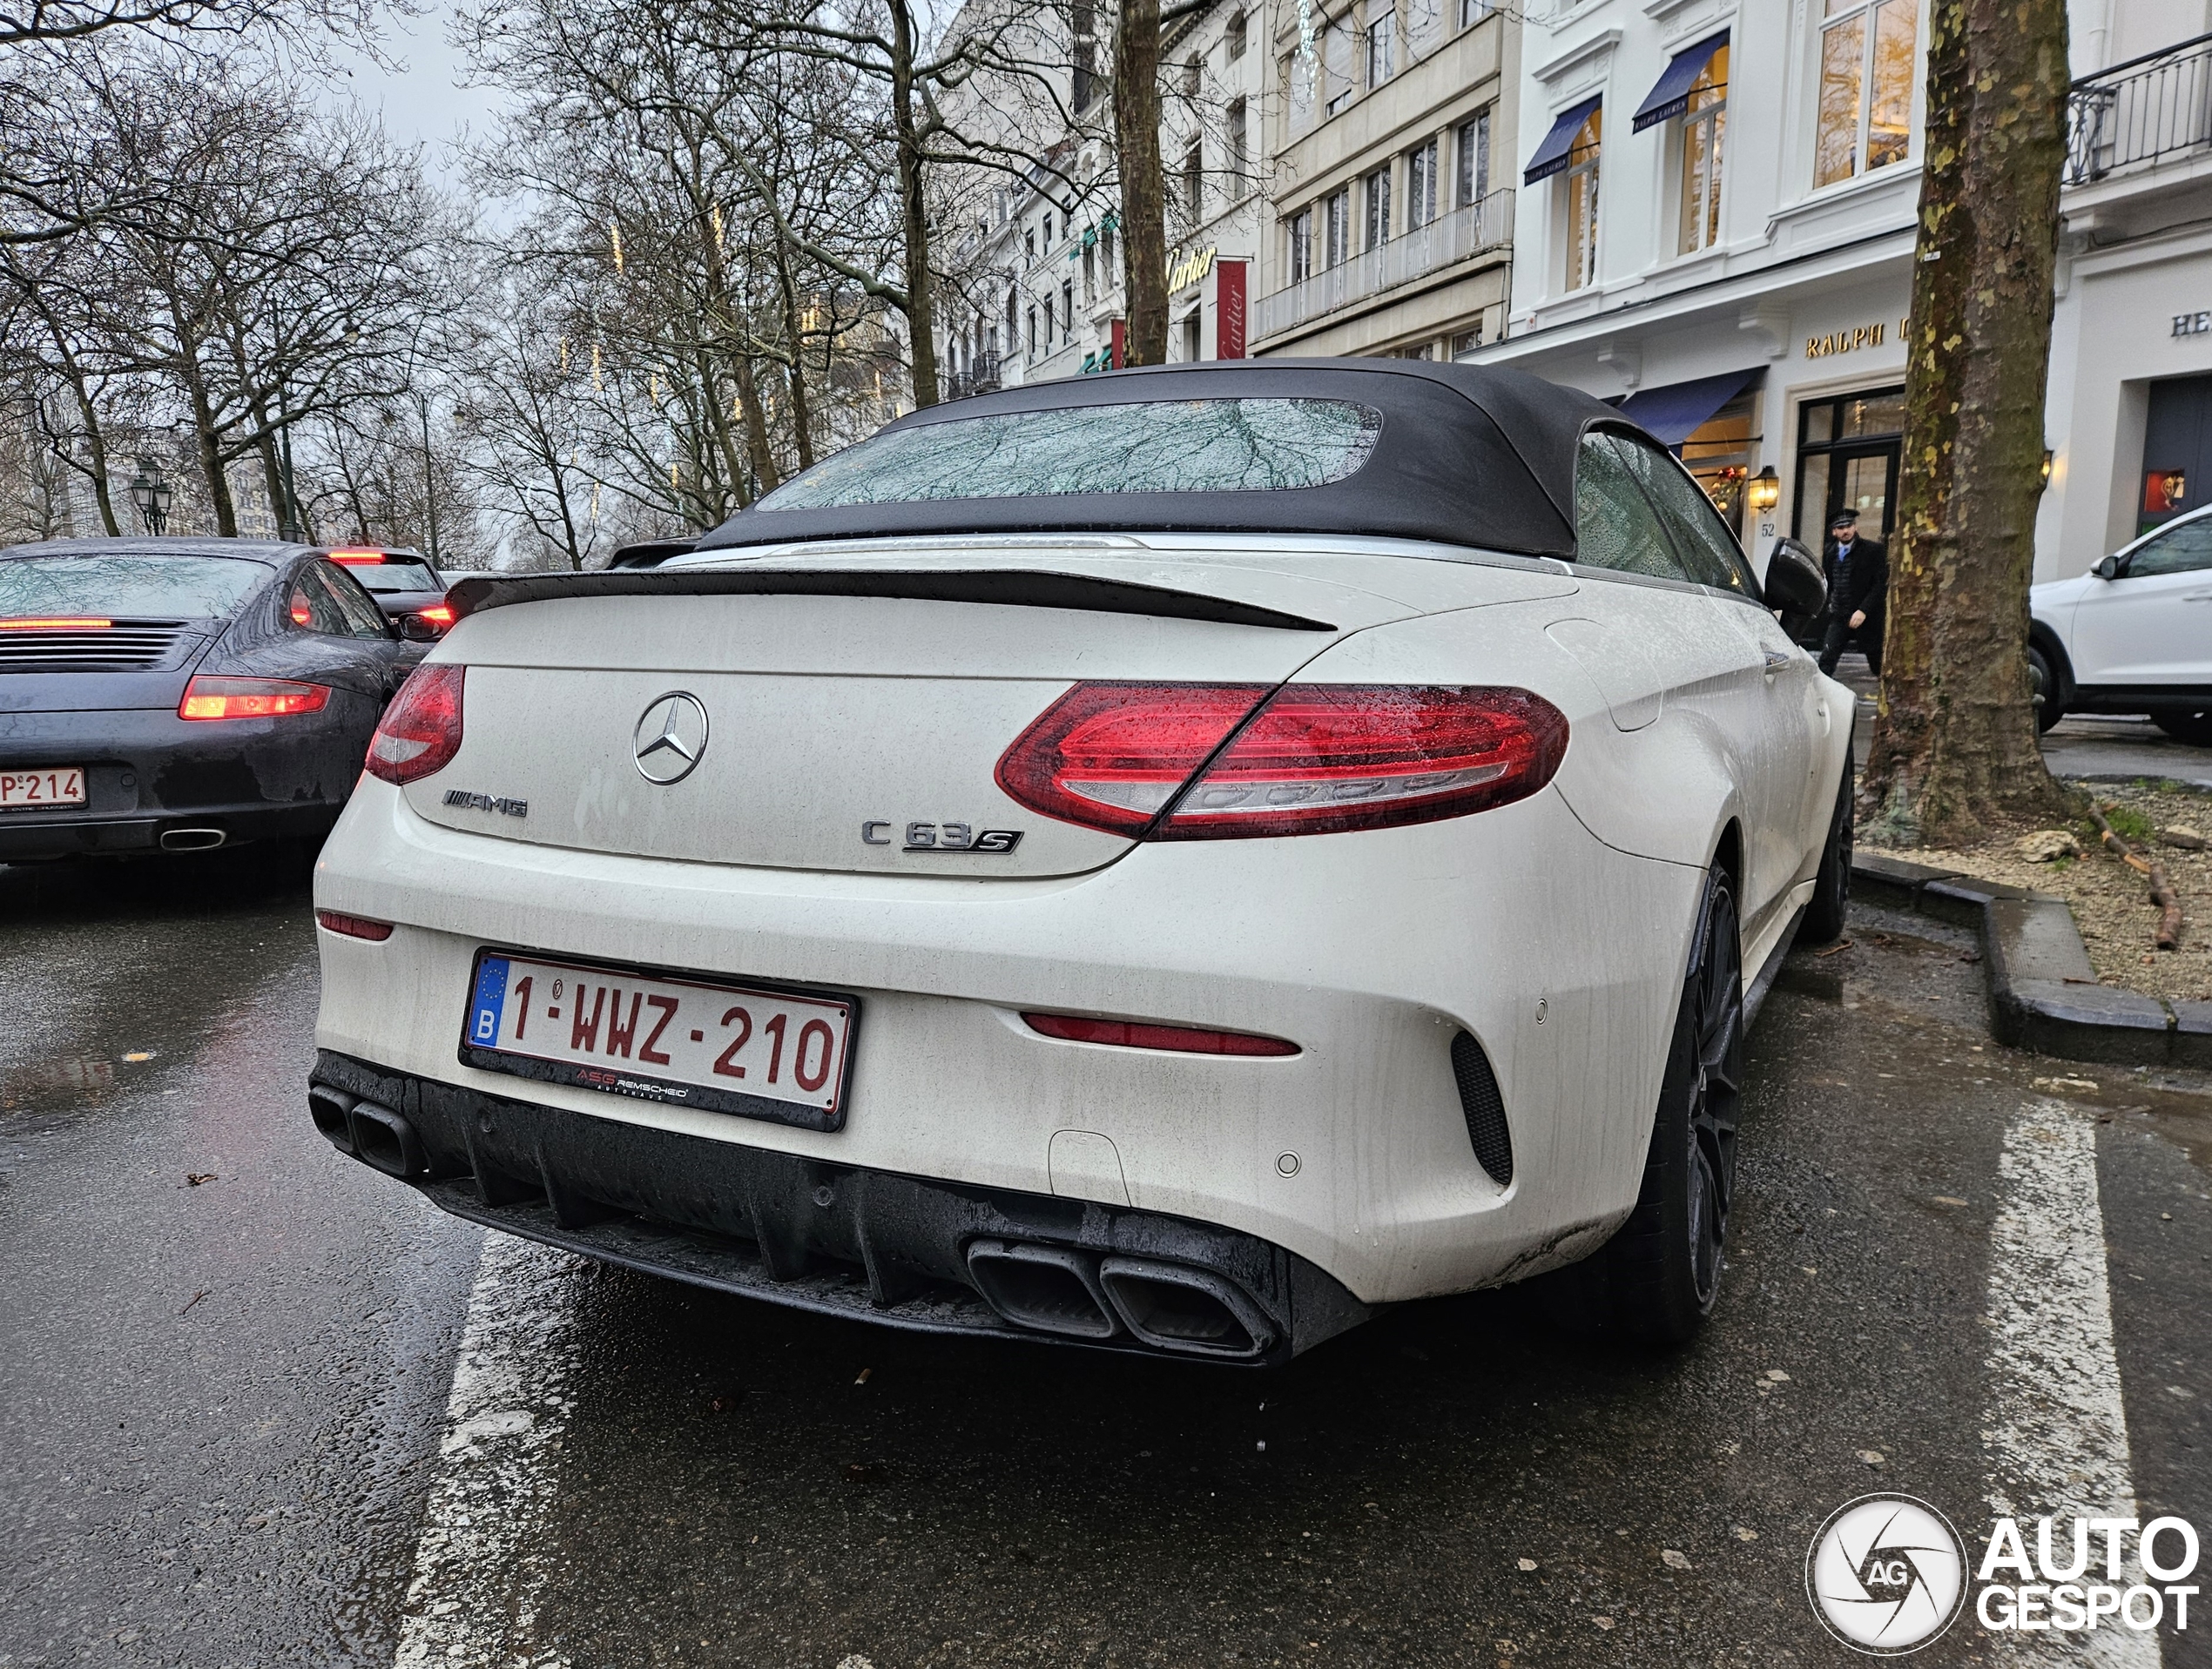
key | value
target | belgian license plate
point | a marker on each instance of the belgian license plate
(755, 1051)
(31, 790)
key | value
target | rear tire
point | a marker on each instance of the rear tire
(2190, 724)
(1663, 1267)
(1831, 900)
(2043, 684)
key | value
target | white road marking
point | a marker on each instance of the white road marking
(2055, 1430)
(480, 1567)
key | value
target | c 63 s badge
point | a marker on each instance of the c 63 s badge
(944, 836)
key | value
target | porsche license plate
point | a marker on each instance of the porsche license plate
(36, 791)
(755, 1051)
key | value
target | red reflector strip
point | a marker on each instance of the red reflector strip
(354, 926)
(206, 697)
(1140, 1034)
(54, 625)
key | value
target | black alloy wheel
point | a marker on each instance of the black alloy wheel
(1665, 1262)
(2190, 724)
(1831, 900)
(2043, 688)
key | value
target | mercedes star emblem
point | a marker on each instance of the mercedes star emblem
(672, 736)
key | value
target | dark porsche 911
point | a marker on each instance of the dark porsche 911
(174, 693)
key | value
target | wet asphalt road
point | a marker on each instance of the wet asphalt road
(223, 1403)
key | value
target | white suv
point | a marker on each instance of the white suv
(2134, 635)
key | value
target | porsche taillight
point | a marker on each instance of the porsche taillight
(214, 697)
(420, 730)
(1201, 762)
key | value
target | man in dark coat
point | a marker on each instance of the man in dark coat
(1858, 579)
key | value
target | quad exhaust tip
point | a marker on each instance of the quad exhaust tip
(329, 1110)
(191, 839)
(1053, 1288)
(374, 1134)
(1078, 1294)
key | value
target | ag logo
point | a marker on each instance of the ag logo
(1887, 1574)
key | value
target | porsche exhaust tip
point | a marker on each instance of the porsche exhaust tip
(1172, 1307)
(1052, 1288)
(193, 839)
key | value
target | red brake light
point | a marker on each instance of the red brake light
(54, 625)
(358, 558)
(1314, 759)
(1139, 1034)
(420, 730)
(354, 926)
(1110, 756)
(206, 697)
(437, 613)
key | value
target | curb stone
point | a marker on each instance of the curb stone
(2043, 993)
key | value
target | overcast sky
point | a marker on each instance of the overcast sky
(423, 100)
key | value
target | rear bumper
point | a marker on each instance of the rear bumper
(838, 1239)
(149, 774)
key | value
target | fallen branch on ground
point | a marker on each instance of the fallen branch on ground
(2162, 890)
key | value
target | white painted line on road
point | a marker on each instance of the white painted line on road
(480, 1565)
(2056, 1430)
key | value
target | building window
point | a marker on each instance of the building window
(1420, 186)
(1581, 203)
(1082, 26)
(1866, 87)
(1190, 339)
(1474, 159)
(1464, 344)
(1378, 190)
(1382, 46)
(1191, 71)
(1232, 39)
(1194, 181)
(1106, 255)
(1704, 133)
(1090, 274)
(1335, 215)
(1048, 234)
(1068, 311)
(1030, 245)
(1239, 127)
(1301, 252)
(1473, 12)
(1032, 333)
(1336, 67)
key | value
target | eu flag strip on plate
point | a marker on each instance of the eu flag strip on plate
(491, 996)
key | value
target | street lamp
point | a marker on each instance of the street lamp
(1764, 491)
(151, 492)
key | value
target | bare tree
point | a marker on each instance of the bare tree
(1954, 745)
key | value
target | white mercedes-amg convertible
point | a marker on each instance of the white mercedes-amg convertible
(1173, 861)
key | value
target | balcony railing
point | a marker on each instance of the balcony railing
(2152, 107)
(980, 377)
(1453, 237)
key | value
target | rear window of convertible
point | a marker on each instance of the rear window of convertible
(1183, 446)
(129, 585)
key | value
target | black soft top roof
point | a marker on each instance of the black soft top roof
(1468, 454)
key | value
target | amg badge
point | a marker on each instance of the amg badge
(945, 836)
(506, 808)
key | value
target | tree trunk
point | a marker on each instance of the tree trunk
(272, 469)
(1137, 138)
(1954, 744)
(211, 449)
(914, 207)
(802, 415)
(95, 450)
(756, 427)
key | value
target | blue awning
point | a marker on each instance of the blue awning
(1671, 96)
(1675, 412)
(1552, 155)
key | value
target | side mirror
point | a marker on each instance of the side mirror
(2107, 569)
(1794, 585)
(416, 630)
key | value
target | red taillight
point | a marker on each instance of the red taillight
(420, 730)
(1315, 759)
(437, 613)
(1141, 1034)
(206, 697)
(1112, 754)
(354, 926)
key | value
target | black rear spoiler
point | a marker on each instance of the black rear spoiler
(1019, 588)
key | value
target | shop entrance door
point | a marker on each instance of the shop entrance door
(2177, 451)
(1847, 458)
